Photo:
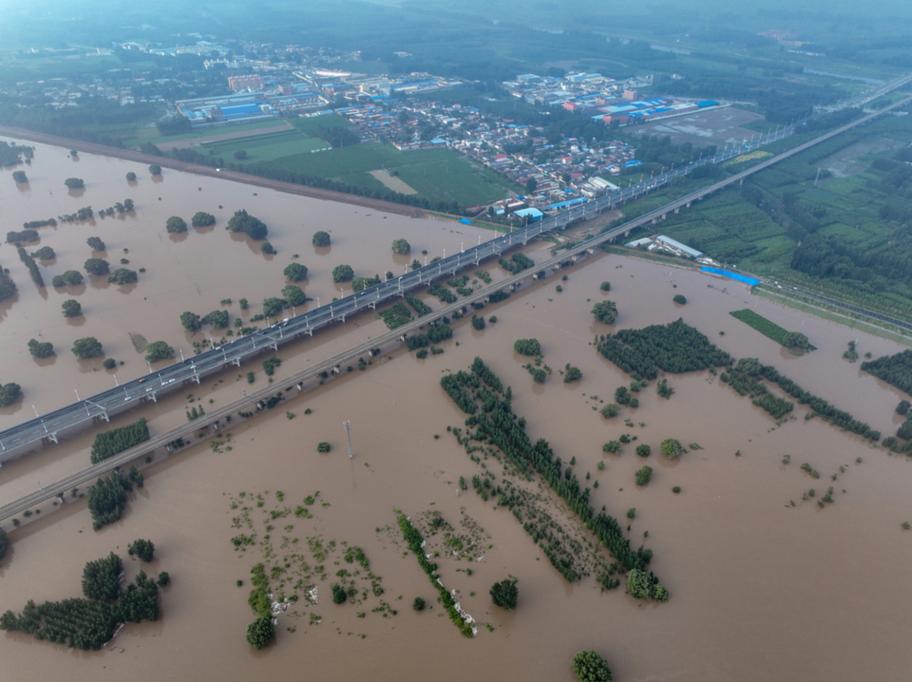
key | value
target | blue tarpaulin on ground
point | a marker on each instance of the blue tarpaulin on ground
(752, 281)
(465, 221)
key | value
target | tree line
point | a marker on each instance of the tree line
(480, 393)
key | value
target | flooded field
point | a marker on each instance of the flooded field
(188, 272)
(760, 589)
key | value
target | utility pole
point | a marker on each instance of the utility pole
(347, 425)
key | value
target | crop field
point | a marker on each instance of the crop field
(834, 196)
(768, 328)
(437, 174)
(149, 133)
(266, 147)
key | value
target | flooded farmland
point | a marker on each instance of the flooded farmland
(760, 589)
(193, 271)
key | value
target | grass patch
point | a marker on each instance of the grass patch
(769, 329)
(435, 174)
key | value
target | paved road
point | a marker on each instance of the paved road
(54, 425)
(351, 304)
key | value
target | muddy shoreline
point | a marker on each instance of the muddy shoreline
(199, 169)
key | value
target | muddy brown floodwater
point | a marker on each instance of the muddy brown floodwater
(191, 272)
(761, 589)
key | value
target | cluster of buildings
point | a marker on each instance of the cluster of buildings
(660, 243)
(246, 104)
(263, 93)
(604, 99)
(553, 174)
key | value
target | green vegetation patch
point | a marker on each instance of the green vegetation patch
(396, 315)
(896, 370)
(746, 375)
(795, 341)
(675, 347)
(415, 542)
(110, 443)
(480, 393)
(438, 175)
(89, 623)
(266, 146)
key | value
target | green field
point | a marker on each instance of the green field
(266, 147)
(149, 133)
(828, 232)
(766, 327)
(439, 175)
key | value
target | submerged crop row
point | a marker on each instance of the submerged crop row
(415, 542)
(481, 394)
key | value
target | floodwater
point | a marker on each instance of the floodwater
(191, 272)
(760, 589)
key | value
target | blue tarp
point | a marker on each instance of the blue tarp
(751, 281)
(465, 221)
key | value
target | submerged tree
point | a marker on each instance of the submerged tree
(142, 549)
(505, 593)
(260, 633)
(190, 321)
(40, 349)
(97, 266)
(605, 312)
(295, 272)
(343, 273)
(250, 225)
(588, 666)
(321, 238)
(202, 219)
(176, 225)
(9, 393)
(71, 308)
(159, 350)
(401, 247)
(87, 347)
